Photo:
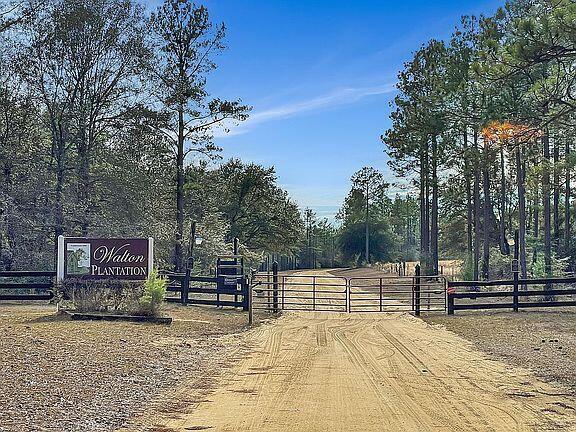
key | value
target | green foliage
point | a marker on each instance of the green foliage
(154, 293)
(467, 269)
(538, 267)
(352, 243)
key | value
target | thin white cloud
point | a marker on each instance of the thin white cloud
(338, 97)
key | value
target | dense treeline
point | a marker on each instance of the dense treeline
(483, 127)
(106, 128)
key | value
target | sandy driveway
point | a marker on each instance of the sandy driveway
(380, 372)
(332, 371)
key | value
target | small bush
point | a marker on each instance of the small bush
(154, 293)
(100, 295)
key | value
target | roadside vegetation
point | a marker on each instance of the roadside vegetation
(107, 128)
(483, 127)
(482, 142)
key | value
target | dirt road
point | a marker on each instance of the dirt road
(382, 372)
(331, 371)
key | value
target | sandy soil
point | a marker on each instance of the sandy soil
(541, 340)
(366, 372)
(65, 376)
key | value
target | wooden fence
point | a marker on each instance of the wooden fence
(27, 285)
(514, 299)
(201, 290)
(208, 290)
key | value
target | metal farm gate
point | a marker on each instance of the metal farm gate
(275, 292)
(299, 292)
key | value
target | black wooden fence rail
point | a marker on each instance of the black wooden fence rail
(515, 294)
(17, 285)
(215, 290)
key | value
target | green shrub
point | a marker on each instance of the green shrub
(154, 293)
(538, 267)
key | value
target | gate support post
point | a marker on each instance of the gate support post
(515, 272)
(275, 287)
(245, 289)
(185, 287)
(348, 305)
(380, 294)
(417, 290)
(450, 308)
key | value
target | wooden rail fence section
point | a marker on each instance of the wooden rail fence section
(297, 292)
(544, 297)
(29, 285)
(201, 290)
(207, 290)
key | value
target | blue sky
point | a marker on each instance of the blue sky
(320, 76)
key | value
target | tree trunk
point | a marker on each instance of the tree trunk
(546, 206)
(469, 210)
(434, 216)
(556, 195)
(367, 245)
(476, 193)
(60, 156)
(520, 179)
(567, 201)
(504, 246)
(178, 258)
(536, 218)
(424, 209)
(486, 215)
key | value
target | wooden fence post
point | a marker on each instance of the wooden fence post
(275, 287)
(515, 271)
(450, 304)
(185, 287)
(417, 290)
(245, 284)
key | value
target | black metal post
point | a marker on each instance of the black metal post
(313, 292)
(283, 288)
(417, 291)
(380, 294)
(275, 287)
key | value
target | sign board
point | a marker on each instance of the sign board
(104, 258)
(230, 281)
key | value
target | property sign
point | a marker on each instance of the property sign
(105, 258)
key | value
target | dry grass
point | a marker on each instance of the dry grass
(541, 340)
(63, 375)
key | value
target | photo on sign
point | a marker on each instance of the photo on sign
(78, 258)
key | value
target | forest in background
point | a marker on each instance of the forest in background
(483, 127)
(481, 139)
(106, 128)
